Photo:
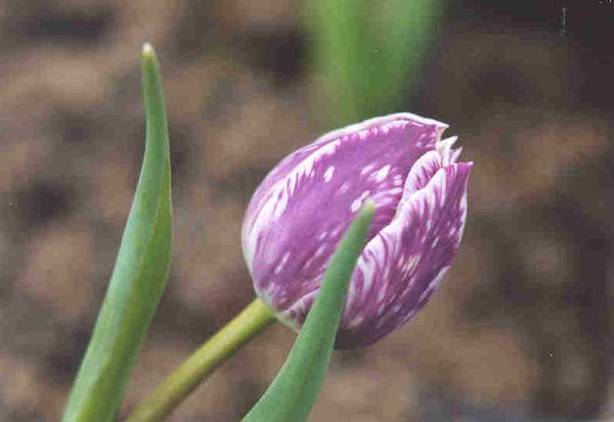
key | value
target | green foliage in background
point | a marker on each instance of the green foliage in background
(294, 391)
(140, 272)
(369, 54)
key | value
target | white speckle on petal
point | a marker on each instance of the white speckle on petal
(381, 174)
(410, 264)
(282, 262)
(380, 295)
(319, 251)
(344, 187)
(368, 269)
(356, 204)
(337, 232)
(356, 321)
(433, 284)
(367, 169)
(437, 280)
(310, 262)
(386, 274)
(410, 315)
(425, 294)
(328, 174)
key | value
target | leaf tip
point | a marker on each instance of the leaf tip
(368, 208)
(148, 51)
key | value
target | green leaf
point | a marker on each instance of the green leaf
(369, 55)
(294, 391)
(140, 272)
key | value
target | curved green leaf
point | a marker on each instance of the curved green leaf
(140, 272)
(294, 391)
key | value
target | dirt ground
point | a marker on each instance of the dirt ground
(522, 327)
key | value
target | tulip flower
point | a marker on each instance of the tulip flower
(304, 205)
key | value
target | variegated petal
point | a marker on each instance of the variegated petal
(297, 215)
(401, 267)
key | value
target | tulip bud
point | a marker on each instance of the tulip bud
(305, 204)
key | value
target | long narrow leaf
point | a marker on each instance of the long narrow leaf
(140, 272)
(294, 391)
(370, 55)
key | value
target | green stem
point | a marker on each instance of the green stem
(179, 384)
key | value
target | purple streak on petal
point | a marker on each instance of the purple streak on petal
(303, 207)
(401, 267)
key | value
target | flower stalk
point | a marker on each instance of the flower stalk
(194, 370)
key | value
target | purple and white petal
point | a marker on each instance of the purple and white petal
(402, 266)
(305, 204)
(298, 214)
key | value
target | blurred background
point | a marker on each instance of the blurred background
(522, 328)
